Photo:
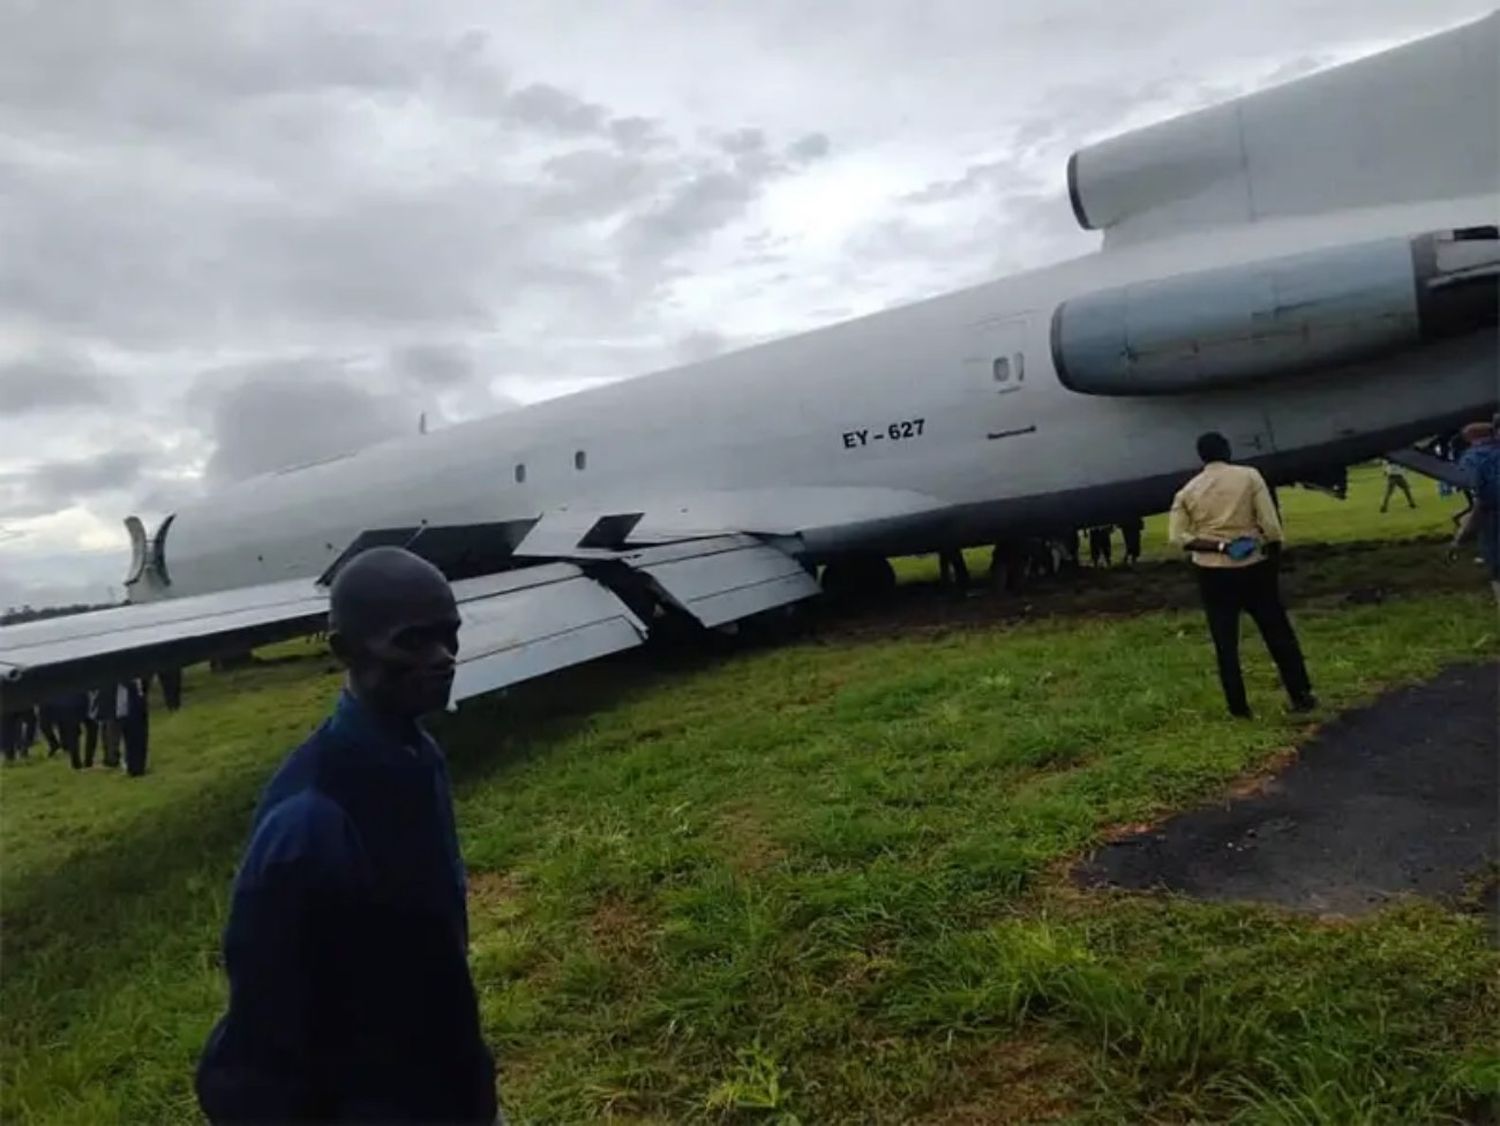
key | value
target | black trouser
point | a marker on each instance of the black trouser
(954, 567)
(90, 739)
(47, 721)
(134, 729)
(1131, 534)
(26, 732)
(1226, 592)
(171, 688)
(10, 735)
(1393, 483)
(1099, 546)
(66, 728)
(111, 736)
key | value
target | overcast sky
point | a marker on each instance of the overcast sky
(235, 236)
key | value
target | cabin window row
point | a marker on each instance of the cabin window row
(580, 463)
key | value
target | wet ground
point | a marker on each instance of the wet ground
(1314, 576)
(1396, 798)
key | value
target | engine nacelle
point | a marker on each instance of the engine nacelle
(1417, 123)
(1279, 317)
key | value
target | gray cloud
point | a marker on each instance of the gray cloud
(635, 133)
(988, 175)
(542, 105)
(813, 146)
(702, 344)
(56, 485)
(50, 382)
(439, 366)
(285, 413)
(714, 195)
(742, 142)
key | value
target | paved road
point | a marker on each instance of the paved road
(1399, 797)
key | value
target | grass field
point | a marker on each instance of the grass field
(819, 882)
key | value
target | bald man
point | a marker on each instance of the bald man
(350, 998)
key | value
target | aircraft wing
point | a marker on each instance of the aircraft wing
(518, 623)
(535, 595)
(55, 655)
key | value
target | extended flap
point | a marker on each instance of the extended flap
(523, 624)
(725, 578)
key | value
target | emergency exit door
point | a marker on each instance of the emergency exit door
(995, 364)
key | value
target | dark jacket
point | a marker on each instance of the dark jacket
(1482, 466)
(347, 944)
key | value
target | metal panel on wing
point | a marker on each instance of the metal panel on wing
(522, 624)
(725, 578)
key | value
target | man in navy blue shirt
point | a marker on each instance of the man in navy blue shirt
(350, 998)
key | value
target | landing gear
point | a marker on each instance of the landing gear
(859, 578)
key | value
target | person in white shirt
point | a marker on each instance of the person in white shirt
(1395, 479)
(1226, 521)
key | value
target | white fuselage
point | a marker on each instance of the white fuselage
(782, 438)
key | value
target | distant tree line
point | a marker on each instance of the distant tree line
(14, 615)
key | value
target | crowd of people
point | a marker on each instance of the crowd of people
(1013, 563)
(114, 718)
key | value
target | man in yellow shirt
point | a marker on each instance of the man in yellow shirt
(1225, 519)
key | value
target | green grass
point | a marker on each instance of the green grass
(821, 882)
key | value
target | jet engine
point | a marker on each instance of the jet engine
(1277, 317)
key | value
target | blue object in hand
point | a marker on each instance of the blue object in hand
(1242, 548)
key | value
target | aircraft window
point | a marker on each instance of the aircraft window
(1002, 369)
(520, 474)
(1020, 362)
(580, 460)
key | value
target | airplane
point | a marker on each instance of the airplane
(1310, 269)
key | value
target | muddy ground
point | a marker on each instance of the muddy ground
(1314, 576)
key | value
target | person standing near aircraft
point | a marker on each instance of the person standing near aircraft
(135, 727)
(171, 687)
(350, 997)
(1130, 532)
(1225, 520)
(92, 722)
(953, 569)
(26, 730)
(1099, 545)
(1395, 479)
(62, 724)
(114, 706)
(10, 734)
(47, 723)
(1481, 464)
